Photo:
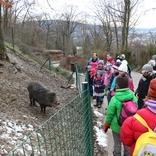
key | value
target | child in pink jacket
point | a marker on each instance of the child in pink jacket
(109, 70)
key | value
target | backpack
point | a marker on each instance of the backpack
(146, 143)
(129, 108)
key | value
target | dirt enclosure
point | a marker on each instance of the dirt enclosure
(17, 118)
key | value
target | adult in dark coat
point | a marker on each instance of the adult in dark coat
(142, 89)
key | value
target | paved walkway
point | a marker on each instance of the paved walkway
(109, 148)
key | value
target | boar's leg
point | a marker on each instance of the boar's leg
(43, 108)
(34, 103)
(31, 101)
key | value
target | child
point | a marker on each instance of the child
(98, 83)
(132, 128)
(112, 76)
(109, 70)
(142, 89)
(91, 73)
(100, 66)
(123, 93)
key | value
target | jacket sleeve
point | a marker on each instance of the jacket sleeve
(135, 100)
(127, 133)
(131, 85)
(111, 111)
(139, 88)
(113, 84)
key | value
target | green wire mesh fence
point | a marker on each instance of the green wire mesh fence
(69, 132)
(81, 76)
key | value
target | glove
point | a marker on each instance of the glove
(106, 126)
(112, 93)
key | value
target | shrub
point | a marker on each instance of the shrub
(66, 62)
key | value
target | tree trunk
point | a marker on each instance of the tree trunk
(2, 45)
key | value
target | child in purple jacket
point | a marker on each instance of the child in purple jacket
(98, 83)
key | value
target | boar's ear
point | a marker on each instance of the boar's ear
(47, 93)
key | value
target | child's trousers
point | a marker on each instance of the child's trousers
(117, 146)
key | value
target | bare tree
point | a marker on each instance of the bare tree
(126, 17)
(117, 18)
(2, 46)
(69, 22)
(103, 15)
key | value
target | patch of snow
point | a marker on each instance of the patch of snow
(97, 113)
(99, 124)
(101, 137)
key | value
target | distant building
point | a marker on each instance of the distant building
(56, 54)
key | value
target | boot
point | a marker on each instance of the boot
(99, 104)
(96, 104)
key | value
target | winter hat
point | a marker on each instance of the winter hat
(89, 67)
(107, 68)
(99, 72)
(154, 57)
(123, 55)
(120, 57)
(148, 68)
(152, 63)
(122, 81)
(93, 72)
(123, 68)
(152, 90)
(116, 65)
(101, 62)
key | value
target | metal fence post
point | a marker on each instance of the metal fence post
(50, 64)
(89, 142)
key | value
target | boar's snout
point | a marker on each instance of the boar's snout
(55, 103)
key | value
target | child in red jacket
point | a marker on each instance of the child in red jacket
(132, 128)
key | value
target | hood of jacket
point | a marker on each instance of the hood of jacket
(151, 104)
(124, 94)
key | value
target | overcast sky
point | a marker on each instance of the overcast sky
(146, 21)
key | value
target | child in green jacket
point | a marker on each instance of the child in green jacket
(122, 93)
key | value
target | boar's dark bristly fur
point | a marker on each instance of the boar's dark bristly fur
(42, 95)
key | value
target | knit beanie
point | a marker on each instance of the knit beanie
(108, 68)
(123, 55)
(123, 68)
(154, 57)
(148, 68)
(101, 62)
(152, 89)
(99, 72)
(89, 67)
(122, 81)
(152, 63)
(116, 65)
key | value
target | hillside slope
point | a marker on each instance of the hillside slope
(17, 118)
